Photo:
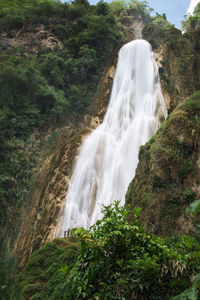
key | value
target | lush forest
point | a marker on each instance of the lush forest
(52, 87)
(193, 22)
(115, 259)
(44, 89)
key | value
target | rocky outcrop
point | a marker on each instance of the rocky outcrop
(31, 39)
(167, 176)
(178, 57)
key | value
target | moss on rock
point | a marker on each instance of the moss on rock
(167, 176)
(44, 276)
(179, 57)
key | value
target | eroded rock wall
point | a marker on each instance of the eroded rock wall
(178, 57)
(32, 39)
(167, 176)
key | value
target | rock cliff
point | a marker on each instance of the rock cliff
(167, 176)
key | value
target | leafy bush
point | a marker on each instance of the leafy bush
(118, 260)
(194, 207)
(189, 194)
(114, 259)
(44, 276)
(161, 21)
(7, 278)
(122, 7)
(193, 21)
(15, 14)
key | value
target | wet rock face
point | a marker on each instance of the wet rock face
(33, 39)
(167, 176)
(178, 57)
(39, 218)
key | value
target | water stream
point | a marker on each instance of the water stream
(109, 155)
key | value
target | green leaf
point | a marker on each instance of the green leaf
(194, 208)
(190, 294)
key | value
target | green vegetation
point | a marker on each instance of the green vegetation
(48, 88)
(167, 175)
(35, 90)
(194, 207)
(7, 278)
(116, 260)
(161, 21)
(191, 293)
(179, 52)
(193, 21)
(190, 243)
(45, 274)
(15, 14)
(123, 8)
(43, 90)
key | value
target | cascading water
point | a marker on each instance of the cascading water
(108, 157)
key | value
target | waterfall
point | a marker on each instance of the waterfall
(109, 155)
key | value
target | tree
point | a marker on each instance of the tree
(118, 260)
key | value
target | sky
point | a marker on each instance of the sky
(174, 9)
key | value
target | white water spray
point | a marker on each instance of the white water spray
(109, 156)
(192, 6)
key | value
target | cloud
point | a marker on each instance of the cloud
(193, 4)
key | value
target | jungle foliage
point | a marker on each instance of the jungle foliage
(193, 21)
(47, 89)
(161, 22)
(117, 260)
(123, 8)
